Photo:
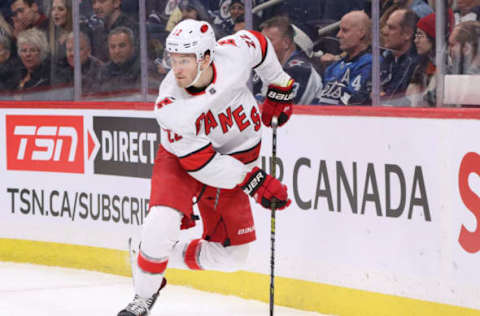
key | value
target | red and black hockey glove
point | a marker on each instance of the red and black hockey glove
(278, 102)
(265, 189)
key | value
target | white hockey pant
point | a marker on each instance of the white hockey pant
(160, 245)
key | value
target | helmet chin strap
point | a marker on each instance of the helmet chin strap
(199, 73)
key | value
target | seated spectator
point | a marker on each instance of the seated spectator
(348, 81)
(308, 83)
(109, 11)
(9, 65)
(221, 15)
(420, 8)
(464, 48)
(108, 16)
(122, 72)
(195, 10)
(331, 12)
(401, 57)
(33, 51)
(388, 7)
(236, 11)
(467, 10)
(26, 14)
(90, 65)
(61, 24)
(421, 90)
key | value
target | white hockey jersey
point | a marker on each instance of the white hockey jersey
(216, 134)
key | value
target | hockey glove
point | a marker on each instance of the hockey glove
(265, 189)
(278, 102)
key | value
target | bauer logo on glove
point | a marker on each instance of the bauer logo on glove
(278, 103)
(280, 96)
(254, 182)
(265, 189)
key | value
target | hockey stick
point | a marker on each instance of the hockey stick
(272, 221)
(132, 257)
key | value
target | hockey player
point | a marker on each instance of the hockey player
(210, 144)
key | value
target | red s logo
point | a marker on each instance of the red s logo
(470, 241)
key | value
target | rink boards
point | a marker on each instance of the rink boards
(384, 218)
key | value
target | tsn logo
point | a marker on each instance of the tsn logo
(45, 143)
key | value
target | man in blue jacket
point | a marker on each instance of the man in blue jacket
(348, 81)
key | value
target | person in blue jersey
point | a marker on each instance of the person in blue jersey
(348, 81)
(308, 83)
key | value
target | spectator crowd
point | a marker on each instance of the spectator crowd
(330, 65)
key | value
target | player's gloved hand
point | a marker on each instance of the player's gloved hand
(265, 189)
(278, 102)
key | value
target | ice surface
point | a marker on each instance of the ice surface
(33, 290)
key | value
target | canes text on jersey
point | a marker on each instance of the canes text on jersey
(227, 119)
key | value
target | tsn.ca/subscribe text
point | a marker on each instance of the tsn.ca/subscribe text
(126, 210)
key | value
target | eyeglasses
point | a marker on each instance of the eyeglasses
(419, 35)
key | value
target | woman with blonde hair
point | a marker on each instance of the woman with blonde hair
(61, 24)
(33, 50)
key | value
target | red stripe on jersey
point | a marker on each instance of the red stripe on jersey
(191, 255)
(263, 44)
(151, 266)
(214, 72)
(198, 159)
(249, 155)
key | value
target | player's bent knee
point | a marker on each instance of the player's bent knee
(217, 257)
(239, 255)
(160, 231)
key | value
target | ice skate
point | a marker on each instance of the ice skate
(140, 306)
